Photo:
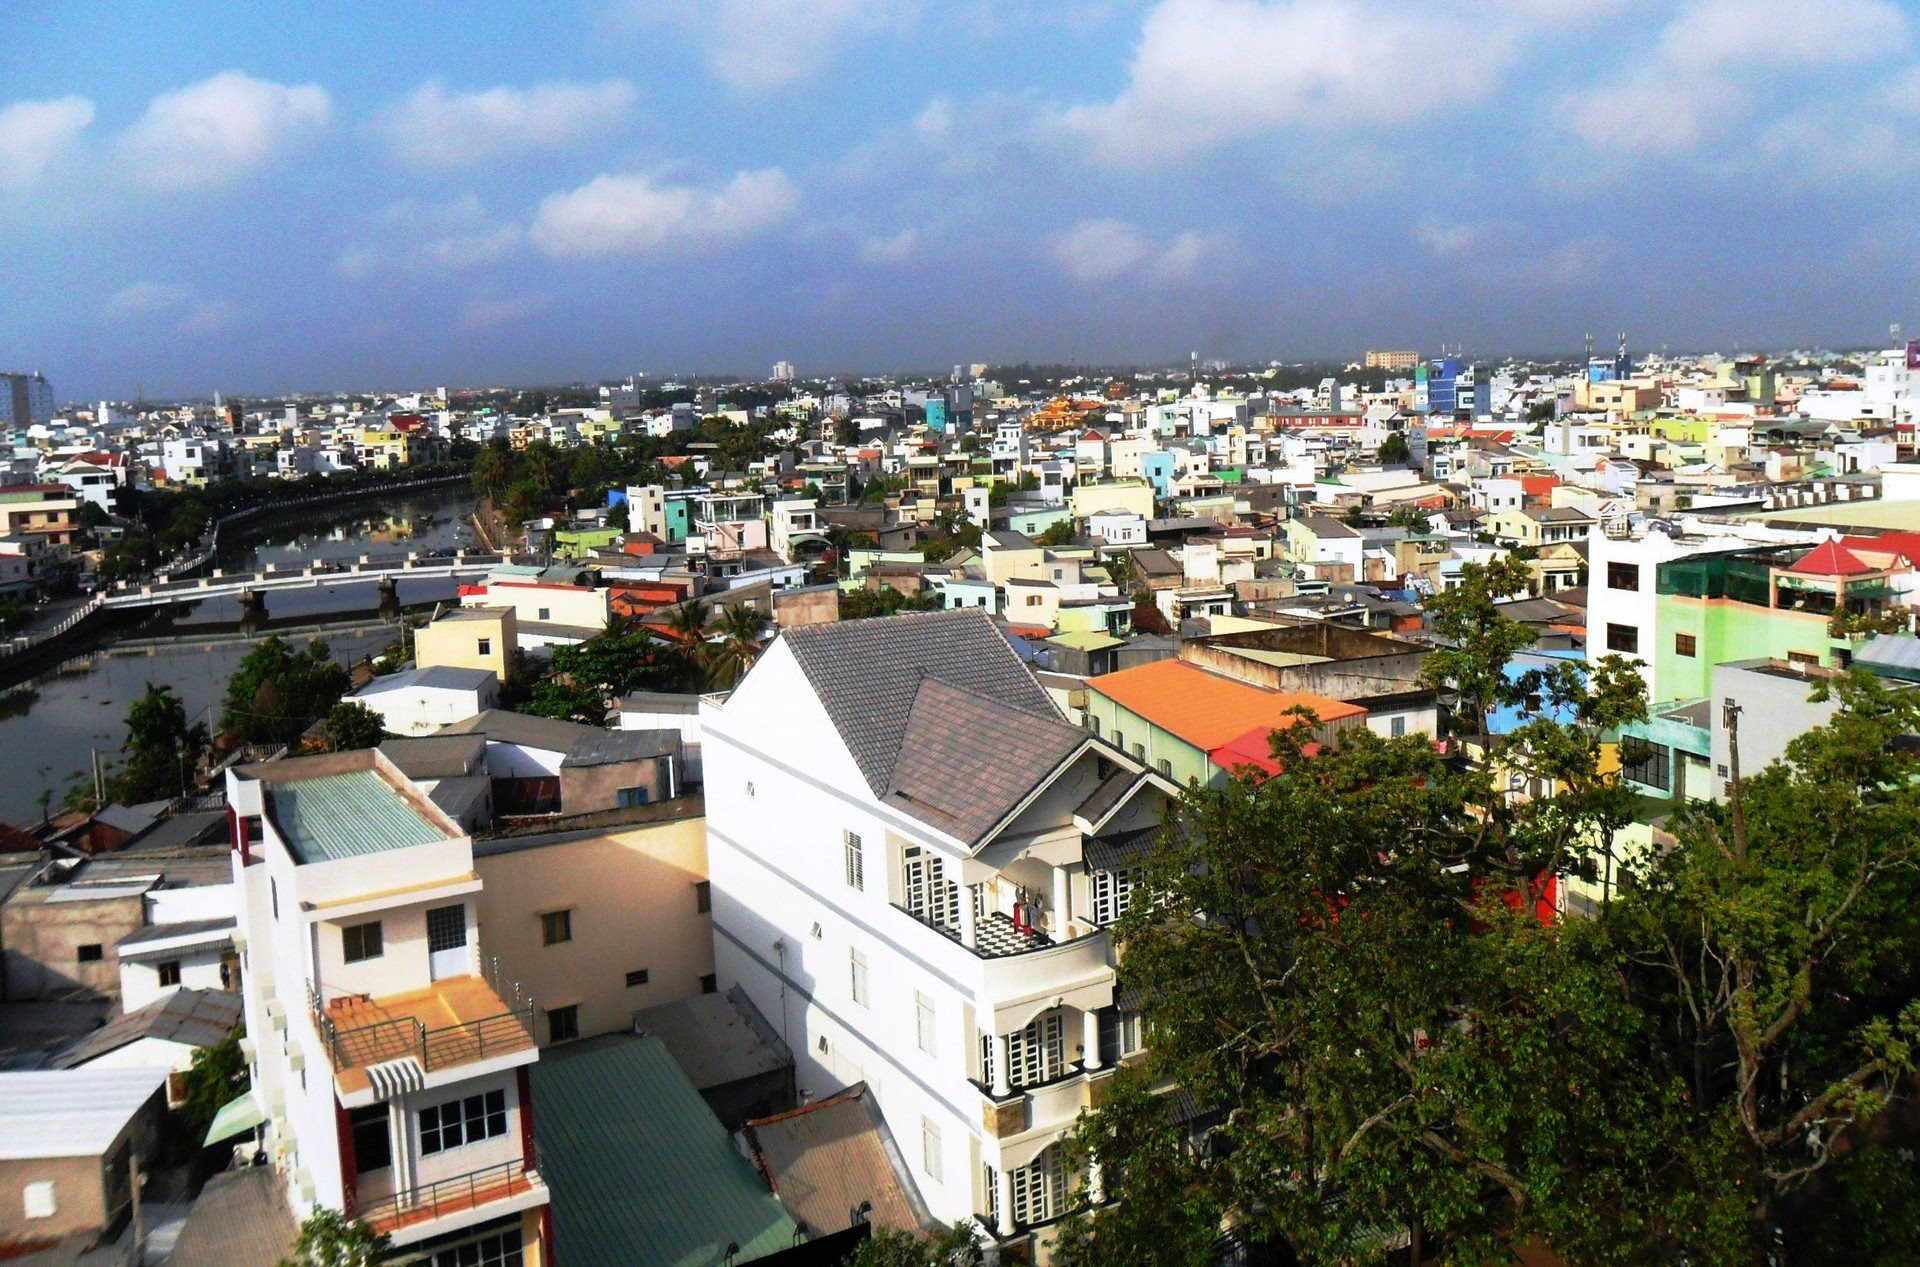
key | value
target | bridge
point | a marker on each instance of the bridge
(368, 567)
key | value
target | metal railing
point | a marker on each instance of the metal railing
(447, 1196)
(399, 1037)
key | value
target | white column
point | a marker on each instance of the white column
(968, 933)
(1002, 1065)
(1096, 1185)
(1061, 905)
(1003, 1188)
(1090, 1039)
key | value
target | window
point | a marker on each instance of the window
(709, 984)
(632, 796)
(372, 1140)
(361, 941)
(856, 863)
(1649, 764)
(1121, 1033)
(39, 1200)
(637, 977)
(1623, 576)
(465, 1121)
(546, 613)
(501, 1249)
(556, 927)
(1119, 739)
(1623, 638)
(923, 1024)
(1033, 600)
(563, 1023)
(931, 897)
(92, 952)
(857, 968)
(1802, 657)
(1112, 892)
(930, 1150)
(703, 896)
(1683, 644)
(273, 892)
(1039, 1189)
(169, 970)
(1039, 1052)
(1397, 727)
(486, 646)
(1166, 768)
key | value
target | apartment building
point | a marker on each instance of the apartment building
(389, 1058)
(915, 866)
(46, 513)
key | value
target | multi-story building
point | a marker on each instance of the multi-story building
(390, 1061)
(915, 865)
(1392, 361)
(25, 399)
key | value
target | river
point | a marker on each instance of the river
(49, 729)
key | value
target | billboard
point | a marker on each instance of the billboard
(1913, 354)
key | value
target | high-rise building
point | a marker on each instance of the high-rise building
(783, 371)
(1448, 386)
(1392, 361)
(25, 399)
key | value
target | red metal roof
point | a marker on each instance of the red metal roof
(1829, 558)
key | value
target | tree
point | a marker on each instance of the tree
(278, 692)
(956, 1246)
(161, 749)
(1355, 516)
(1408, 517)
(741, 628)
(217, 1074)
(329, 1239)
(861, 604)
(351, 725)
(1058, 533)
(687, 627)
(1394, 451)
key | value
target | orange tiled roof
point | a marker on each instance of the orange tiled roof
(1205, 709)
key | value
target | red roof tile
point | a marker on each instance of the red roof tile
(1829, 558)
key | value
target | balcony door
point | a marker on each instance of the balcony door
(447, 953)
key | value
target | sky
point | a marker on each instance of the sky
(261, 197)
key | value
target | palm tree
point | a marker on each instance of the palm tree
(740, 628)
(687, 626)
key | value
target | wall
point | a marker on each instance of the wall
(43, 940)
(140, 978)
(1723, 630)
(1774, 710)
(455, 643)
(590, 789)
(89, 1192)
(631, 892)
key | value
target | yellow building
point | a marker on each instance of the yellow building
(1133, 497)
(605, 922)
(470, 638)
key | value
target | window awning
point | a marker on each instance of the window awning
(242, 1113)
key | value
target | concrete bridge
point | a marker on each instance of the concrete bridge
(388, 569)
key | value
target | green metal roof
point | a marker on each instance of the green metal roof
(640, 1169)
(346, 815)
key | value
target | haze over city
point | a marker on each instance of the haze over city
(194, 197)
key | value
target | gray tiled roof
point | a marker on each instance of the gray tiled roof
(437, 756)
(610, 747)
(966, 760)
(827, 1159)
(867, 675)
(197, 1017)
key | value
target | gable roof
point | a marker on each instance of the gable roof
(198, 1018)
(1829, 558)
(967, 761)
(825, 1160)
(867, 675)
(1205, 709)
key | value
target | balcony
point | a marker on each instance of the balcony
(453, 1022)
(412, 1208)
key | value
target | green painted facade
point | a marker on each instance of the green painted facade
(1127, 730)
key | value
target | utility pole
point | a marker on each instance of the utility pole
(99, 779)
(135, 1179)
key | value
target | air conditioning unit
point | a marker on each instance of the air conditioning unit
(296, 1059)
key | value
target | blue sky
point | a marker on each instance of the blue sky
(264, 197)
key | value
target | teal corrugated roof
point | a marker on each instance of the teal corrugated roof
(640, 1169)
(346, 815)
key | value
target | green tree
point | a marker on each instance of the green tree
(278, 692)
(351, 725)
(1394, 450)
(862, 604)
(161, 750)
(217, 1074)
(688, 628)
(956, 1246)
(1355, 516)
(1058, 533)
(329, 1238)
(741, 629)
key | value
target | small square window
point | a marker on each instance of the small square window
(1684, 644)
(486, 646)
(39, 1200)
(563, 1023)
(361, 941)
(556, 927)
(637, 977)
(709, 984)
(546, 613)
(92, 953)
(703, 896)
(629, 797)
(169, 970)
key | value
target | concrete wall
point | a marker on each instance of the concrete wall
(88, 1192)
(456, 644)
(43, 940)
(632, 895)
(590, 789)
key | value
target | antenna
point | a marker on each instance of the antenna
(1589, 344)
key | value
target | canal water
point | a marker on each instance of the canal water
(49, 729)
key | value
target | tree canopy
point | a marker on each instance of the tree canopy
(277, 692)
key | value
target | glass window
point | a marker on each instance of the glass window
(637, 977)
(930, 1149)
(924, 1028)
(501, 1249)
(858, 968)
(563, 1023)
(169, 970)
(556, 927)
(856, 862)
(465, 1121)
(361, 941)
(486, 646)
(1112, 893)
(1623, 638)
(1649, 764)
(632, 796)
(1684, 644)
(1623, 576)
(372, 1142)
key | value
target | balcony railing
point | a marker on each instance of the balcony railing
(439, 1048)
(456, 1195)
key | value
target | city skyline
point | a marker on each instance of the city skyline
(264, 201)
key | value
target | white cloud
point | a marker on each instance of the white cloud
(489, 314)
(1211, 72)
(1654, 112)
(420, 238)
(210, 133)
(168, 303)
(635, 215)
(34, 133)
(435, 128)
(895, 248)
(1094, 252)
(753, 45)
(1449, 243)
(1783, 33)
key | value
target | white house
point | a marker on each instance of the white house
(915, 863)
(388, 1057)
(420, 701)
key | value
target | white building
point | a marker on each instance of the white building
(420, 701)
(915, 862)
(389, 1059)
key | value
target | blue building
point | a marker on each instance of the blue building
(937, 413)
(1447, 386)
(24, 400)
